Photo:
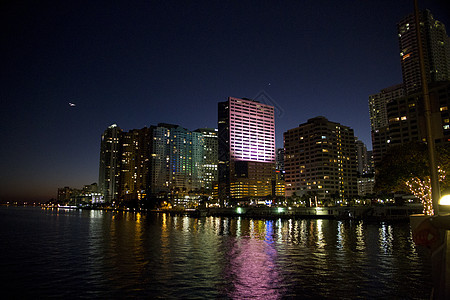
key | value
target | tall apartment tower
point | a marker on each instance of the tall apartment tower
(280, 160)
(320, 160)
(407, 120)
(366, 177)
(109, 170)
(377, 105)
(392, 122)
(436, 50)
(362, 158)
(278, 182)
(246, 149)
(177, 155)
(210, 158)
(135, 163)
(379, 120)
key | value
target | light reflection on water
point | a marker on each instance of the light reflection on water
(64, 253)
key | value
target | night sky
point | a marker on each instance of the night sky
(139, 63)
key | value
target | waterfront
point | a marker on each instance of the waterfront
(100, 254)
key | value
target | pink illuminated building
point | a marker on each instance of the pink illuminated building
(246, 149)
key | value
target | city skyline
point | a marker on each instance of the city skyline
(71, 71)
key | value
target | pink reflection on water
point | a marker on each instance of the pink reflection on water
(253, 271)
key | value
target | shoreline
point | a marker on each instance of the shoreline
(367, 213)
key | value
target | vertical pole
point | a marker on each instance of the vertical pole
(435, 191)
(439, 256)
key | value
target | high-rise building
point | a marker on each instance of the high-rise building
(278, 180)
(161, 160)
(371, 162)
(436, 50)
(176, 159)
(377, 105)
(135, 163)
(64, 194)
(210, 158)
(380, 144)
(320, 160)
(280, 159)
(109, 170)
(246, 149)
(366, 177)
(362, 158)
(378, 118)
(397, 115)
(198, 160)
(407, 120)
(366, 184)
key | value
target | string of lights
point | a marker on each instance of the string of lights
(421, 188)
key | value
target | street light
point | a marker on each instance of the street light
(445, 200)
(444, 203)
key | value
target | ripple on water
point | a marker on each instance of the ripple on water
(116, 255)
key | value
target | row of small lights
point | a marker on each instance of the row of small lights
(422, 190)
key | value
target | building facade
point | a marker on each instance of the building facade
(109, 170)
(279, 166)
(436, 50)
(366, 176)
(362, 158)
(407, 121)
(377, 105)
(396, 113)
(135, 164)
(209, 164)
(366, 185)
(278, 181)
(246, 149)
(379, 122)
(320, 160)
(64, 194)
(176, 159)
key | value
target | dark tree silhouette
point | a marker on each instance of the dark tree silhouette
(401, 163)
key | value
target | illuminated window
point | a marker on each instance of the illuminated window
(443, 108)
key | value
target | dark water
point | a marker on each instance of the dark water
(95, 254)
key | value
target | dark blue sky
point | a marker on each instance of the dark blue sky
(138, 63)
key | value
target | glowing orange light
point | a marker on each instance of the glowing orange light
(422, 190)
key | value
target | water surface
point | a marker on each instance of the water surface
(98, 254)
